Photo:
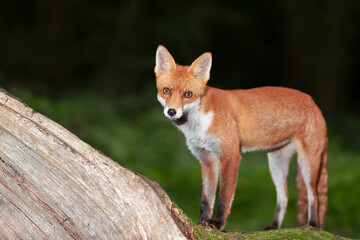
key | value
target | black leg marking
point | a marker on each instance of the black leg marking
(220, 216)
(204, 211)
(313, 224)
(220, 211)
(313, 221)
(275, 224)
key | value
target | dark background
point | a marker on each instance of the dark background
(61, 46)
(89, 66)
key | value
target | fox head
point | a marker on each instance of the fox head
(180, 88)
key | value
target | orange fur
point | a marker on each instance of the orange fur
(268, 118)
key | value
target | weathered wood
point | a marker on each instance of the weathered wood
(55, 186)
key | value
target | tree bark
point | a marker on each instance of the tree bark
(55, 186)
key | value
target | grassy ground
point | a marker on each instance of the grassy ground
(133, 131)
(288, 233)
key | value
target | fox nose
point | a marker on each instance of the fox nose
(172, 112)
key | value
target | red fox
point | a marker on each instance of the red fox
(220, 124)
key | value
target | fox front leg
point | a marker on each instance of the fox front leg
(210, 173)
(228, 177)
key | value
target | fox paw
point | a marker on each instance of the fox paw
(273, 226)
(215, 224)
(268, 228)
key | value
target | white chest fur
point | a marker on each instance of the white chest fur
(197, 138)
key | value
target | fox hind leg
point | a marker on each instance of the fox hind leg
(309, 162)
(279, 160)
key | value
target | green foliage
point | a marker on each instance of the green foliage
(132, 130)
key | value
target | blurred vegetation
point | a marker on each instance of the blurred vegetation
(89, 66)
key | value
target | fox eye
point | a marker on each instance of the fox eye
(166, 91)
(188, 94)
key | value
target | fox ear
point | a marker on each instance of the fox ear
(200, 68)
(164, 61)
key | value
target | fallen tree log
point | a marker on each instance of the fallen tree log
(55, 186)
